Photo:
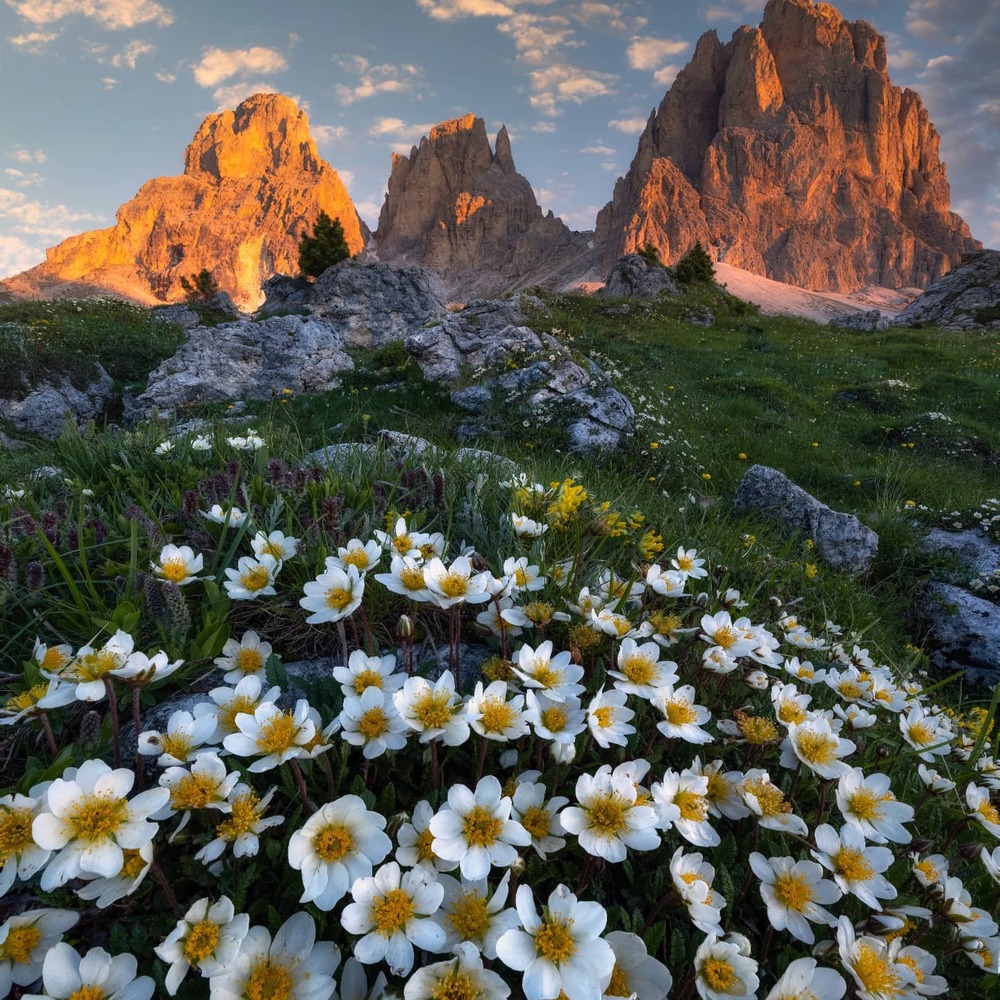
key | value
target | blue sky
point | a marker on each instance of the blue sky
(100, 95)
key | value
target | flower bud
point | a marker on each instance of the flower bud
(405, 627)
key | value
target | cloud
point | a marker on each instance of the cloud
(23, 179)
(613, 16)
(405, 135)
(535, 37)
(21, 155)
(901, 56)
(111, 14)
(630, 126)
(40, 220)
(131, 54)
(347, 176)
(451, 10)
(109, 82)
(543, 128)
(735, 10)
(369, 210)
(164, 77)
(220, 64)
(34, 42)
(653, 53)
(235, 93)
(327, 134)
(561, 83)
(384, 78)
(599, 150)
(17, 255)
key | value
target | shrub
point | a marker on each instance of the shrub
(327, 246)
(200, 287)
(695, 265)
(651, 254)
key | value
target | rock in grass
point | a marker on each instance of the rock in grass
(44, 410)
(634, 277)
(971, 548)
(964, 631)
(841, 539)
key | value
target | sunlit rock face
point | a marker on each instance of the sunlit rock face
(788, 152)
(253, 182)
(459, 207)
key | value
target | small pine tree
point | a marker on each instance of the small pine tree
(200, 287)
(651, 254)
(695, 265)
(327, 246)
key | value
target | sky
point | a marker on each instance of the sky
(98, 96)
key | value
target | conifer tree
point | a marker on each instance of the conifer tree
(695, 265)
(327, 246)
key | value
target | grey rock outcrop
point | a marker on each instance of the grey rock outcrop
(44, 410)
(284, 293)
(964, 631)
(841, 539)
(975, 553)
(179, 315)
(868, 321)
(247, 360)
(967, 298)
(634, 277)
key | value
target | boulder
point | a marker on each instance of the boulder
(868, 321)
(180, 315)
(841, 539)
(247, 360)
(972, 549)
(964, 631)
(283, 293)
(44, 410)
(967, 298)
(634, 277)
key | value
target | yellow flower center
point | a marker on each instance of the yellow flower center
(545, 675)
(88, 993)
(607, 815)
(20, 943)
(373, 723)
(133, 864)
(497, 715)
(242, 819)
(455, 985)
(337, 598)
(412, 578)
(921, 733)
(53, 659)
(432, 709)
(520, 577)
(618, 986)
(718, 787)
(537, 822)
(929, 870)
(390, 913)
(791, 711)
(988, 811)
(175, 570)
(241, 704)
(665, 623)
(277, 734)
(26, 699)
(684, 563)
(256, 578)
(333, 843)
(849, 689)
(273, 549)
(793, 891)
(876, 973)
(539, 612)
(866, 805)
(605, 715)
(469, 916)
(679, 712)
(201, 942)
(638, 668)
(357, 557)
(622, 625)
(248, 660)
(425, 850)
(366, 679)
(193, 791)
(176, 744)
(96, 817)
(269, 981)
(770, 798)
(693, 806)
(454, 584)
(852, 865)
(402, 544)
(726, 637)
(911, 963)
(719, 974)
(817, 748)
(480, 827)
(95, 665)
(554, 942)
(757, 730)
(554, 719)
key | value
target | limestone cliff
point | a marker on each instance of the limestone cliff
(789, 152)
(252, 183)
(461, 208)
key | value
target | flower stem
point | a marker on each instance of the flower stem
(50, 739)
(435, 772)
(301, 782)
(167, 889)
(113, 709)
(136, 717)
(342, 632)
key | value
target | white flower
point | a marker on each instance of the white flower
(934, 781)
(164, 447)
(816, 745)
(271, 734)
(877, 975)
(636, 973)
(640, 671)
(89, 822)
(182, 740)
(178, 564)
(354, 983)
(692, 877)
(849, 684)
(554, 676)
(608, 718)
(524, 527)
(392, 911)
(245, 657)
(372, 722)
(134, 869)
(803, 980)
(492, 716)
(227, 703)
(868, 803)
(854, 864)
(364, 556)
(294, 966)
(208, 938)
(20, 856)
(232, 517)
(538, 816)
(339, 843)
(666, 583)
(416, 842)
(141, 669)
(475, 829)
(241, 828)
(364, 671)
(252, 578)
(724, 968)
(723, 793)
(252, 441)
(405, 577)
(67, 976)
(457, 584)
(767, 802)
(462, 976)
(688, 564)
(401, 542)
(89, 667)
(795, 893)
(681, 803)
(723, 634)
(469, 914)
(929, 734)
(683, 719)
(609, 819)
(333, 595)
(559, 721)
(992, 862)
(523, 576)
(206, 786)
(277, 544)
(433, 710)
(25, 939)
(202, 443)
(561, 949)
(930, 871)
(982, 809)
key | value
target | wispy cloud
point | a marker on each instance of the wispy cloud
(109, 82)
(166, 77)
(235, 93)
(34, 42)
(598, 150)
(132, 53)
(112, 14)
(609, 16)
(21, 155)
(629, 126)
(325, 135)
(383, 78)
(655, 54)
(24, 178)
(561, 83)
(37, 219)
(221, 64)
(399, 130)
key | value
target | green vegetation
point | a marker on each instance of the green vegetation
(651, 254)
(695, 265)
(325, 247)
(200, 287)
